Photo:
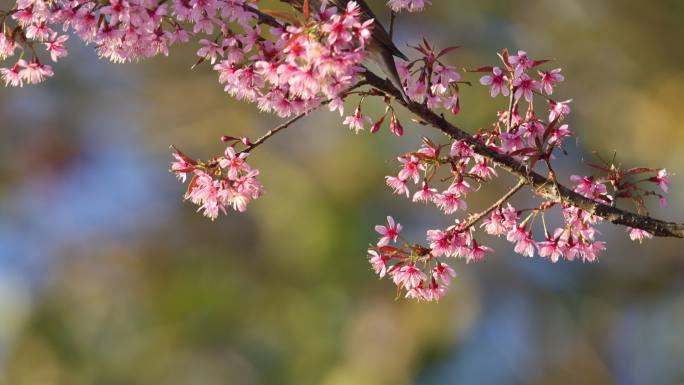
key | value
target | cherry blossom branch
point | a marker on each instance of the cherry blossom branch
(543, 186)
(478, 217)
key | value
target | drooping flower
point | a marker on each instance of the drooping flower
(408, 276)
(662, 179)
(638, 234)
(378, 262)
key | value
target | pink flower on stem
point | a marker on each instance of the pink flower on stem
(460, 186)
(497, 82)
(558, 110)
(378, 262)
(13, 76)
(525, 86)
(551, 248)
(356, 122)
(482, 168)
(662, 179)
(461, 149)
(477, 252)
(182, 166)
(395, 126)
(55, 46)
(588, 187)
(398, 185)
(411, 168)
(425, 194)
(517, 234)
(408, 276)
(434, 292)
(510, 215)
(443, 273)
(525, 246)
(549, 78)
(494, 225)
(638, 234)
(234, 162)
(389, 233)
(7, 47)
(210, 50)
(450, 202)
(521, 63)
(441, 243)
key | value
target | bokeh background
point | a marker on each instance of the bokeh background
(107, 277)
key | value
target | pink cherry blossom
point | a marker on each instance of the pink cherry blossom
(494, 224)
(425, 194)
(234, 162)
(662, 179)
(477, 252)
(497, 82)
(589, 187)
(461, 149)
(443, 273)
(525, 86)
(638, 234)
(450, 202)
(398, 185)
(411, 168)
(357, 121)
(525, 246)
(378, 262)
(482, 168)
(55, 46)
(441, 243)
(408, 276)
(551, 248)
(12, 76)
(558, 110)
(549, 79)
(389, 233)
(521, 63)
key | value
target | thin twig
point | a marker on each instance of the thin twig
(288, 123)
(272, 132)
(474, 219)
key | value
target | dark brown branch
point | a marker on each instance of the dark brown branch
(543, 186)
(477, 217)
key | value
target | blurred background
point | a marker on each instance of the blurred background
(107, 277)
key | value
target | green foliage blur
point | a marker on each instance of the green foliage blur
(108, 278)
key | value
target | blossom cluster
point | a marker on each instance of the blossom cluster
(286, 70)
(426, 80)
(429, 80)
(223, 182)
(445, 174)
(303, 66)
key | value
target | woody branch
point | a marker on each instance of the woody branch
(541, 185)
